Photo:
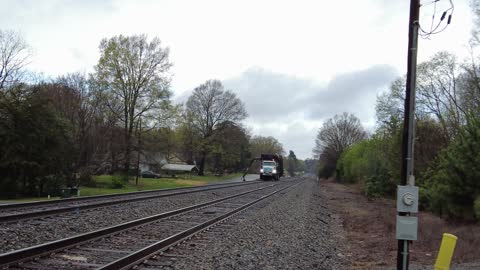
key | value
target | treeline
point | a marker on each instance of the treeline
(59, 132)
(447, 140)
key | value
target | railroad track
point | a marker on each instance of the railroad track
(21, 211)
(124, 245)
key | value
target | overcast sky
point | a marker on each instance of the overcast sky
(294, 63)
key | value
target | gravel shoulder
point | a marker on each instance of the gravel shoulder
(290, 231)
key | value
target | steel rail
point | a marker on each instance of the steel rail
(93, 197)
(76, 208)
(145, 253)
(16, 256)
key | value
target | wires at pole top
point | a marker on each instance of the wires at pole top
(437, 25)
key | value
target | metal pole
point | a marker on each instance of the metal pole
(409, 122)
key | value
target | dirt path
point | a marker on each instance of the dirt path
(369, 227)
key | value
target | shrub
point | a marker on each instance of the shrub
(368, 162)
(453, 185)
(51, 184)
(379, 184)
(118, 181)
(352, 165)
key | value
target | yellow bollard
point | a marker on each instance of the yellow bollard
(445, 254)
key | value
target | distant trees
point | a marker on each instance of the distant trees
(34, 143)
(14, 56)
(133, 73)
(292, 163)
(311, 166)
(60, 132)
(267, 145)
(229, 148)
(334, 137)
(209, 106)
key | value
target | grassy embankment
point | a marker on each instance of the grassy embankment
(103, 185)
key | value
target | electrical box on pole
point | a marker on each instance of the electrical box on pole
(407, 202)
(407, 199)
(407, 228)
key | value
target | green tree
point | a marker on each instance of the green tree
(336, 135)
(35, 150)
(452, 186)
(209, 106)
(133, 72)
(367, 162)
(265, 145)
(229, 148)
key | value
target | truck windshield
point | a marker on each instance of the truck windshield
(269, 163)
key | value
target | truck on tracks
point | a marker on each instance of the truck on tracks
(271, 166)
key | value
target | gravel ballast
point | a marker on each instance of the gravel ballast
(36, 231)
(291, 230)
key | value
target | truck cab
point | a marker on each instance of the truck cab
(269, 170)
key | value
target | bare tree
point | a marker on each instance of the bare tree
(14, 54)
(134, 74)
(85, 112)
(210, 105)
(438, 92)
(475, 6)
(335, 136)
(442, 94)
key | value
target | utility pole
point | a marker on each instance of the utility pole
(407, 176)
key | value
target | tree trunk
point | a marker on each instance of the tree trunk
(128, 150)
(113, 160)
(201, 166)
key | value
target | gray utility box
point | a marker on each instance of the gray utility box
(407, 199)
(407, 227)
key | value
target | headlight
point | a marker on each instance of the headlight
(261, 170)
(274, 171)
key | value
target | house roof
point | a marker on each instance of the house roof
(178, 167)
(149, 157)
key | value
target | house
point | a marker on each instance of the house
(172, 169)
(158, 162)
(152, 161)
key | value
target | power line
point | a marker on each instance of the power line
(435, 30)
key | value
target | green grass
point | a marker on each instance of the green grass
(103, 185)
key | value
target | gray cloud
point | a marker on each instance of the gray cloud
(295, 136)
(285, 106)
(266, 93)
(350, 92)
(292, 109)
(34, 12)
